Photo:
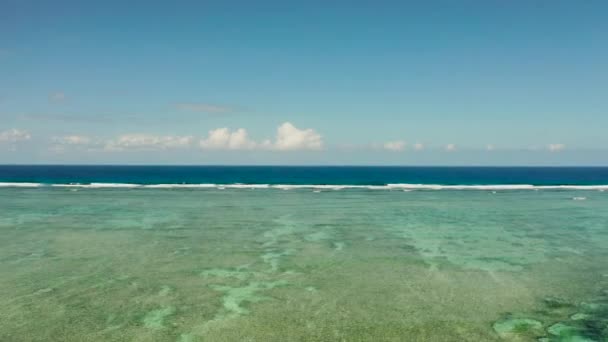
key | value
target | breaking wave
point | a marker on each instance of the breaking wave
(399, 186)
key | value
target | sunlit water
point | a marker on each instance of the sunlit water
(302, 265)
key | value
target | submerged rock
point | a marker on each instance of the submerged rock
(512, 327)
(561, 329)
(557, 302)
(563, 332)
(594, 307)
(579, 316)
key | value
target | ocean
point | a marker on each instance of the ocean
(274, 253)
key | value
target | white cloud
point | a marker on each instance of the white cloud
(203, 108)
(418, 146)
(57, 96)
(72, 140)
(224, 139)
(62, 143)
(147, 142)
(450, 147)
(395, 146)
(290, 138)
(14, 135)
(556, 147)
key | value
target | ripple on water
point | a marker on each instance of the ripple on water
(236, 273)
(317, 236)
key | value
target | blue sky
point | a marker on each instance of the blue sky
(282, 82)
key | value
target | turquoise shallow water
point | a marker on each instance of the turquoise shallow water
(144, 264)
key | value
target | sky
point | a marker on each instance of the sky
(304, 82)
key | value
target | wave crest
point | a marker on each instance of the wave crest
(396, 186)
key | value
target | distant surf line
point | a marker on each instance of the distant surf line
(395, 186)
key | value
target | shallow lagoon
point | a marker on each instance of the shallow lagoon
(297, 265)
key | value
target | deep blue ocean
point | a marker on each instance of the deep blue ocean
(301, 175)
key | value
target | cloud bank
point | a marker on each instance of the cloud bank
(224, 139)
(147, 142)
(72, 140)
(450, 147)
(395, 146)
(288, 138)
(14, 136)
(556, 147)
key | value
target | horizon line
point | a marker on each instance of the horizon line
(314, 165)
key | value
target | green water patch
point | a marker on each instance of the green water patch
(236, 273)
(164, 291)
(144, 219)
(491, 249)
(495, 254)
(44, 291)
(112, 323)
(285, 226)
(109, 282)
(580, 316)
(272, 258)
(583, 322)
(512, 328)
(557, 302)
(563, 332)
(155, 319)
(234, 298)
(186, 338)
(318, 236)
(311, 289)
(338, 246)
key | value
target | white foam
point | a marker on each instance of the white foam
(291, 187)
(308, 186)
(246, 186)
(398, 186)
(75, 185)
(19, 185)
(497, 187)
(574, 187)
(331, 187)
(579, 198)
(98, 185)
(462, 187)
(181, 186)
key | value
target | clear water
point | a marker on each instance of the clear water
(87, 264)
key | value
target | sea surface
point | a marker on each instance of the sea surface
(180, 254)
